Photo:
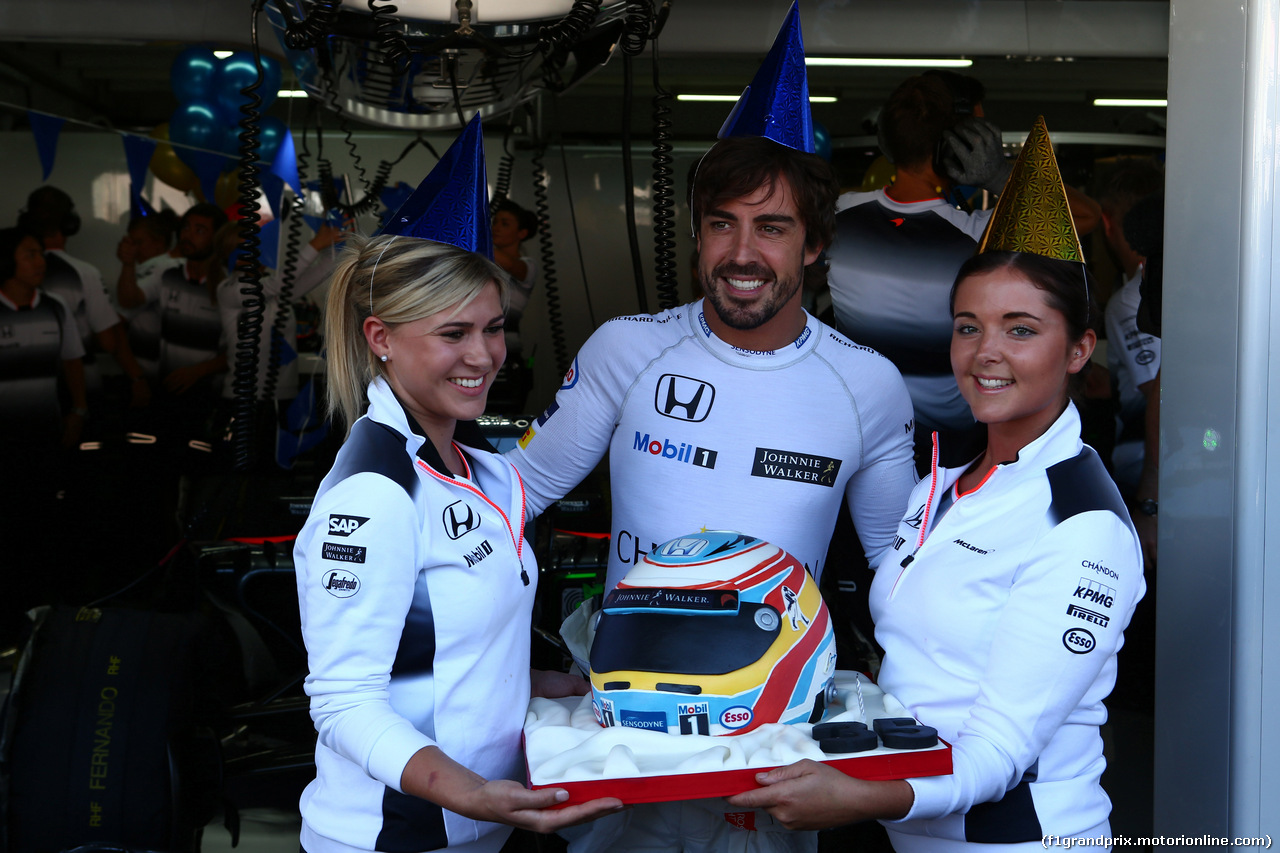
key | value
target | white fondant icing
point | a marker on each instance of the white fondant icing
(564, 743)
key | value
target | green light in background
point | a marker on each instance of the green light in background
(1211, 439)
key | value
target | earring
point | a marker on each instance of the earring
(384, 358)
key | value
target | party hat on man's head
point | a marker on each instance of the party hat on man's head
(1032, 214)
(451, 205)
(776, 104)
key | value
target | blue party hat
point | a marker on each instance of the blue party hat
(451, 205)
(776, 104)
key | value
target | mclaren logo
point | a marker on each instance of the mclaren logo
(683, 398)
(459, 520)
(915, 520)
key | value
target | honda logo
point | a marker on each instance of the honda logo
(684, 398)
(460, 519)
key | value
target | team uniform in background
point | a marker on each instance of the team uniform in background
(190, 323)
(34, 341)
(416, 591)
(892, 267)
(144, 321)
(1133, 357)
(701, 434)
(312, 269)
(79, 285)
(1000, 612)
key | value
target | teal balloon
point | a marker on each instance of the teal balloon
(196, 124)
(821, 141)
(194, 75)
(238, 71)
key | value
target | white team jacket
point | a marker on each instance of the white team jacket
(1000, 623)
(416, 591)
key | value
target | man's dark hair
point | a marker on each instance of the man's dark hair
(966, 92)
(525, 219)
(9, 240)
(163, 224)
(914, 117)
(1130, 179)
(49, 210)
(209, 211)
(739, 166)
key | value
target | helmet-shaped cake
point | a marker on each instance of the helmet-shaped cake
(715, 633)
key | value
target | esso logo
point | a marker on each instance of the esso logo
(1078, 641)
(735, 717)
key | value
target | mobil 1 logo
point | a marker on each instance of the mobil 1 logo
(695, 718)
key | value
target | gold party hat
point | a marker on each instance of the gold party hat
(1032, 214)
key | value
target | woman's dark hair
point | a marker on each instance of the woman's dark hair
(1068, 286)
(9, 240)
(739, 166)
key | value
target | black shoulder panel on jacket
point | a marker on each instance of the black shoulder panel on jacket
(378, 449)
(1082, 484)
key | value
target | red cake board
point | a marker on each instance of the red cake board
(902, 764)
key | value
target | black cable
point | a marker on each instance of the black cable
(556, 40)
(573, 219)
(502, 184)
(311, 30)
(453, 86)
(248, 268)
(664, 232)
(629, 184)
(387, 26)
(554, 317)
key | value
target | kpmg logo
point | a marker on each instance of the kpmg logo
(459, 519)
(683, 398)
(1095, 592)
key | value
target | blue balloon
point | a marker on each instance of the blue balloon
(239, 71)
(821, 141)
(194, 75)
(199, 125)
(269, 139)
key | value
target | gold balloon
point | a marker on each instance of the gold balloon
(224, 194)
(879, 174)
(168, 167)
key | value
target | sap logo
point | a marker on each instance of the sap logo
(1099, 569)
(570, 378)
(736, 717)
(1078, 641)
(459, 519)
(341, 584)
(699, 456)
(345, 525)
(478, 553)
(1095, 592)
(683, 398)
(1088, 615)
(683, 547)
(652, 720)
